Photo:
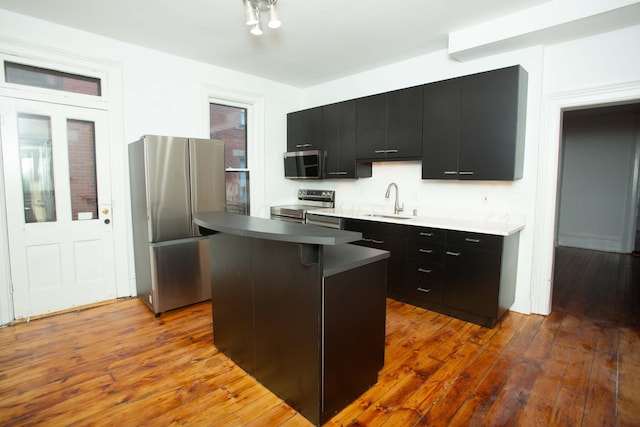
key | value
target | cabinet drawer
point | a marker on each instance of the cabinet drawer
(474, 240)
(425, 282)
(375, 229)
(433, 235)
(426, 292)
(425, 251)
(425, 272)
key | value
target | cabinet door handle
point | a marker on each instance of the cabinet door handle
(337, 173)
(424, 290)
(302, 145)
(424, 270)
(379, 242)
(391, 151)
(453, 253)
(380, 151)
(468, 239)
(426, 234)
(451, 172)
(425, 251)
(465, 173)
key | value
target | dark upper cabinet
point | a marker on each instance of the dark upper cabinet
(479, 119)
(404, 121)
(339, 141)
(492, 118)
(371, 127)
(389, 126)
(304, 130)
(441, 130)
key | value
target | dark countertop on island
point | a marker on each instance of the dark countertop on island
(262, 228)
(338, 256)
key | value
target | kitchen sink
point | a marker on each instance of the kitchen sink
(390, 216)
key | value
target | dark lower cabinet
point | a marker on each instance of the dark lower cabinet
(479, 276)
(473, 280)
(352, 350)
(425, 264)
(471, 276)
(388, 237)
(316, 340)
(233, 309)
(287, 333)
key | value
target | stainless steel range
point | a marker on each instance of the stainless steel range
(308, 200)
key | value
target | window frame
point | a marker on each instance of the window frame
(254, 106)
(238, 170)
(17, 90)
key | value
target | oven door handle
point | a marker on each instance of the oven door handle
(325, 221)
(288, 219)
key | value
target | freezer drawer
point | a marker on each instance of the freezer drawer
(179, 275)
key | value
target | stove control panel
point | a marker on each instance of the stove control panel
(319, 195)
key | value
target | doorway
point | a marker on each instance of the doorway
(547, 175)
(598, 178)
(58, 205)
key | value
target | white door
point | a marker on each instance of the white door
(58, 201)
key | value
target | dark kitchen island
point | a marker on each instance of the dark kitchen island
(298, 308)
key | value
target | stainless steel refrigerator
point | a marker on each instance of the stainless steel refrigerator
(170, 178)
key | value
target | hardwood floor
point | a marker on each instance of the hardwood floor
(119, 365)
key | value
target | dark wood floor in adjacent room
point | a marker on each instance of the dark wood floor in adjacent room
(118, 365)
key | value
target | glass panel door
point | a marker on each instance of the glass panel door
(58, 205)
(82, 169)
(36, 163)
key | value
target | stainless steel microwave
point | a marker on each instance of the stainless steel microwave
(307, 164)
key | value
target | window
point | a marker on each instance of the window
(229, 124)
(51, 79)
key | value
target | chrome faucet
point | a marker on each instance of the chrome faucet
(396, 208)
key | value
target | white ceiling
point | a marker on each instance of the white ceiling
(318, 41)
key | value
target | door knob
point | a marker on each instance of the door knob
(105, 211)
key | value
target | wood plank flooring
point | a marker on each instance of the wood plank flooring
(118, 365)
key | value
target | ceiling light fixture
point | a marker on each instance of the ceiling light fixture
(252, 9)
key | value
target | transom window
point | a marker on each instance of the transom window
(51, 79)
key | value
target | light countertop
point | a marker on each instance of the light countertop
(487, 223)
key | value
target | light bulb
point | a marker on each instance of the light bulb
(250, 13)
(257, 29)
(274, 21)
